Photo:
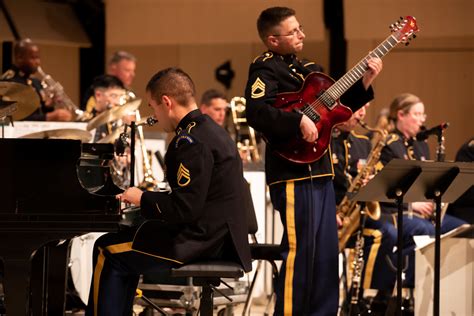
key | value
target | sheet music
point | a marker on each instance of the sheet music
(27, 127)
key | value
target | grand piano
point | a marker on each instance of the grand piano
(50, 189)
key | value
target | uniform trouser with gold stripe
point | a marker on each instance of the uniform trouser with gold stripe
(308, 280)
(116, 271)
(380, 238)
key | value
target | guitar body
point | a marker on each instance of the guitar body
(298, 150)
(319, 98)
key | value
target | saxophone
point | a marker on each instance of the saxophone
(54, 90)
(349, 210)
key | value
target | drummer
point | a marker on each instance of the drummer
(108, 92)
(26, 62)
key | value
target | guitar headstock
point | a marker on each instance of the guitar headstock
(404, 29)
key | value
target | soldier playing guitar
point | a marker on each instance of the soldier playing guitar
(301, 192)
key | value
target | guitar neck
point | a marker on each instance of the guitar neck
(351, 77)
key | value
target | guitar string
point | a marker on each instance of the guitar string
(319, 102)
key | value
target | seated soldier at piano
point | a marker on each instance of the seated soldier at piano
(200, 218)
(26, 62)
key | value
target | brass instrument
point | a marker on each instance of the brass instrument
(244, 134)
(350, 210)
(55, 91)
(149, 182)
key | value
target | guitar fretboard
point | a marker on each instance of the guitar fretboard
(345, 82)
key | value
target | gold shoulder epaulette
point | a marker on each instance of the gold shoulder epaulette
(263, 57)
(359, 135)
(392, 138)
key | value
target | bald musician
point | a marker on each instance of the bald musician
(26, 62)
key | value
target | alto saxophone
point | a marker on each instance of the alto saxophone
(349, 210)
(56, 91)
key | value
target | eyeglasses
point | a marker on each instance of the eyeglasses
(419, 115)
(299, 29)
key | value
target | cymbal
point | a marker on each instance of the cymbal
(113, 114)
(25, 97)
(110, 138)
(62, 133)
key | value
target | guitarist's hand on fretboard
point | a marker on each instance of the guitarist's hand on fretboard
(375, 66)
(308, 129)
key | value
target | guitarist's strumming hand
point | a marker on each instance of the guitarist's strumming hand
(374, 68)
(308, 129)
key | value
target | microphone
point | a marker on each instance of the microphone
(425, 133)
(121, 142)
(151, 120)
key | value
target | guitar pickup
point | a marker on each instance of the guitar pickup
(309, 112)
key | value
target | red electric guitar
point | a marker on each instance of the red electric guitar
(319, 98)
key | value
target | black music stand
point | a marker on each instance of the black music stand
(415, 181)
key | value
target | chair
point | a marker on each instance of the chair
(260, 252)
(209, 274)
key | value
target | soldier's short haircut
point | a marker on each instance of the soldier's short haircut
(210, 95)
(106, 82)
(172, 82)
(271, 17)
(22, 46)
(121, 55)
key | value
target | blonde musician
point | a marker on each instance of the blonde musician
(407, 111)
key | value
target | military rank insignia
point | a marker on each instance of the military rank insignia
(183, 176)
(258, 89)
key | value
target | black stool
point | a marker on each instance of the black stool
(208, 275)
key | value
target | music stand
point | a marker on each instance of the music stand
(415, 181)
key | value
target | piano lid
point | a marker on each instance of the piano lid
(41, 176)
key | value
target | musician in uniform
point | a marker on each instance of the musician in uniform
(350, 151)
(463, 207)
(200, 218)
(26, 62)
(302, 193)
(122, 65)
(214, 104)
(407, 111)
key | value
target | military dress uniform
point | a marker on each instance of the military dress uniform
(302, 193)
(398, 146)
(349, 155)
(463, 207)
(200, 218)
(16, 75)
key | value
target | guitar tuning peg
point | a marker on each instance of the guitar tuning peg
(401, 18)
(407, 43)
(414, 36)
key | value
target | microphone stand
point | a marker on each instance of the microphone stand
(440, 155)
(133, 127)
